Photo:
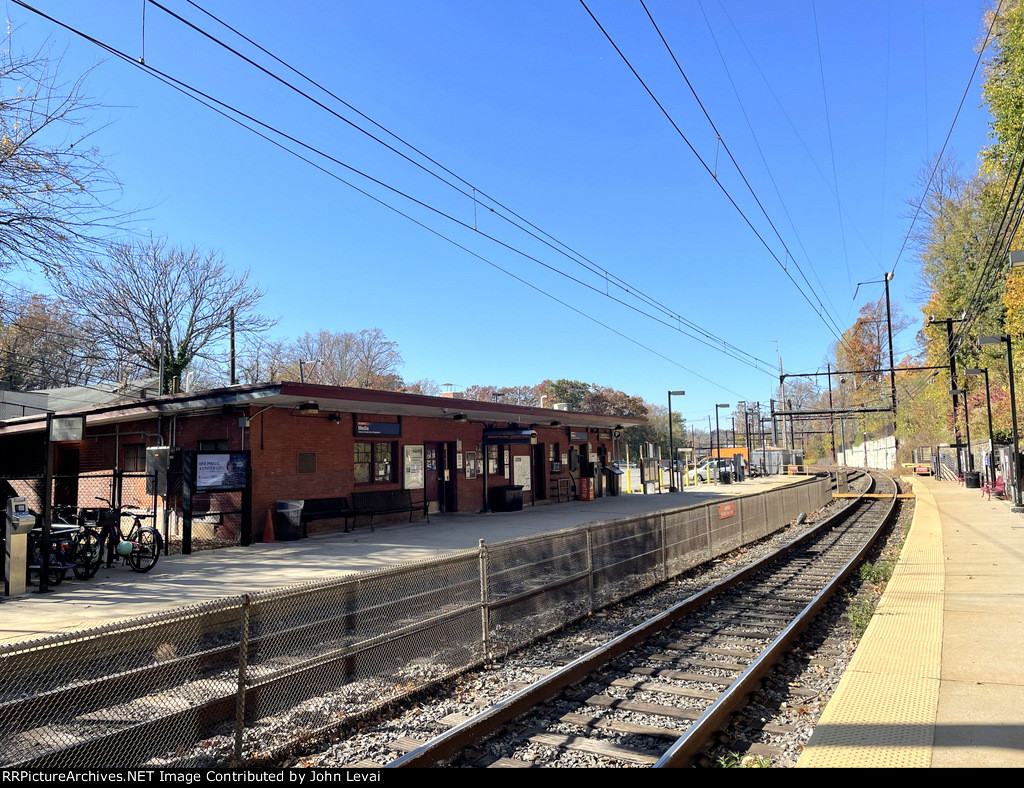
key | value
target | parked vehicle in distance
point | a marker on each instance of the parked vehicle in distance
(624, 464)
(706, 467)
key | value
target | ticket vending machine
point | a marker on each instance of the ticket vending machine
(19, 522)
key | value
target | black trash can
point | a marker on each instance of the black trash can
(725, 477)
(973, 479)
(288, 521)
(507, 499)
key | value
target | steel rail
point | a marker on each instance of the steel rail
(693, 741)
(446, 745)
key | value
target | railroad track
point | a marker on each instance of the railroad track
(85, 709)
(656, 695)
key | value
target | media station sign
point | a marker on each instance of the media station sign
(386, 428)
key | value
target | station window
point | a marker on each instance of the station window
(134, 457)
(218, 445)
(306, 462)
(375, 462)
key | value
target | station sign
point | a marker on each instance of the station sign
(67, 428)
(386, 428)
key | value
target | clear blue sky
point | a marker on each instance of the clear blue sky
(530, 103)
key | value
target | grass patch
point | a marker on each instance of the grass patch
(734, 760)
(879, 571)
(861, 610)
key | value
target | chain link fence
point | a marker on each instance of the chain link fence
(233, 681)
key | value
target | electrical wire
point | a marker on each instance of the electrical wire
(834, 329)
(531, 229)
(235, 115)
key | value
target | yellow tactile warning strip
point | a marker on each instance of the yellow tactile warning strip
(883, 712)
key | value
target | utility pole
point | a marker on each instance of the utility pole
(831, 416)
(949, 321)
(231, 321)
(892, 368)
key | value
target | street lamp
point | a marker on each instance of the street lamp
(1013, 413)
(991, 442)
(671, 447)
(718, 443)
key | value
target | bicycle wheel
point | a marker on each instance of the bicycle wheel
(85, 552)
(145, 550)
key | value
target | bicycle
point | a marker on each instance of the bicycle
(139, 548)
(85, 544)
(61, 553)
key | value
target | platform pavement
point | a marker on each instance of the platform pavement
(938, 678)
(180, 580)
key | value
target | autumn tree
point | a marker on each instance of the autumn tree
(44, 345)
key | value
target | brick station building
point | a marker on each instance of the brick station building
(304, 441)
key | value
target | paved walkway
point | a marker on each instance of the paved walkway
(181, 580)
(938, 679)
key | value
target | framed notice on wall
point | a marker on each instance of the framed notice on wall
(413, 466)
(470, 464)
(521, 472)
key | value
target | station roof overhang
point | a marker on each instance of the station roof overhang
(250, 399)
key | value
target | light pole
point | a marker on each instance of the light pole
(671, 446)
(991, 442)
(302, 370)
(967, 423)
(842, 417)
(1013, 415)
(718, 443)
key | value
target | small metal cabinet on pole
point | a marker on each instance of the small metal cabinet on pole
(19, 522)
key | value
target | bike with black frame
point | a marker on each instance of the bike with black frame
(61, 544)
(139, 547)
(72, 547)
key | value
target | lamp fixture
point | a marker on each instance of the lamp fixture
(306, 409)
(335, 417)
(556, 424)
(460, 417)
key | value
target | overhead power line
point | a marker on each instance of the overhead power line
(822, 312)
(671, 320)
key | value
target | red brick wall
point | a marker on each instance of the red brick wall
(276, 437)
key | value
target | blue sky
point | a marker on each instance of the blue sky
(829, 108)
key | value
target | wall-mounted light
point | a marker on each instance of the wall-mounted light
(306, 409)
(556, 424)
(335, 417)
(460, 417)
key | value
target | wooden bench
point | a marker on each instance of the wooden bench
(387, 502)
(326, 509)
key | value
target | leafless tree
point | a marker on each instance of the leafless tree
(57, 196)
(146, 298)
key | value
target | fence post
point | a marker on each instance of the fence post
(590, 564)
(664, 549)
(708, 531)
(243, 654)
(485, 613)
